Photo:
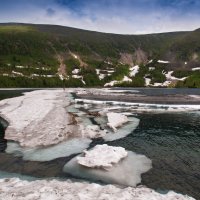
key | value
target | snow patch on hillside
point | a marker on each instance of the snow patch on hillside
(134, 70)
(196, 69)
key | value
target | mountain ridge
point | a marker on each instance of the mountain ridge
(45, 46)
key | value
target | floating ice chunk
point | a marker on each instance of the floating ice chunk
(127, 172)
(92, 131)
(102, 156)
(116, 120)
(123, 131)
(63, 149)
(38, 118)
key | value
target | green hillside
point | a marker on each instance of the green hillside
(46, 55)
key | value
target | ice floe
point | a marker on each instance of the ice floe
(102, 156)
(123, 131)
(63, 149)
(16, 189)
(38, 118)
(126, 171)
(116, 120)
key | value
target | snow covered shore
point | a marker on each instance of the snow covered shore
(16, 189)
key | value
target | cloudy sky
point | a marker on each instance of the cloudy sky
(113, 16)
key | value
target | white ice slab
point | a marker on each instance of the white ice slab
(102, 156)
(127, 172)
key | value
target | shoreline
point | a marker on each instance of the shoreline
(138, 99)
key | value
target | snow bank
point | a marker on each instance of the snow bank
(76, 71)
(79, 77)
(16, 189)
(114, 82)
(163, 61)
(147, 81)
(134, 70)
(116, 120)
(63, 149)
(170, 77)
(102, 156)
(196, 69)
(126, 79)
(127, 172)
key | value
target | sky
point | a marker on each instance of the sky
(111, 16)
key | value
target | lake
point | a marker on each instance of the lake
(170, 139)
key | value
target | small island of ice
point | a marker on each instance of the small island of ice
(116, 120)
(102, 156)
(126, 171)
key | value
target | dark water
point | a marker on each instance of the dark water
(170, 140)
(162, 91)
(4, 94)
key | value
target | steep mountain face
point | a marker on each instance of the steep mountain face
(53, 56)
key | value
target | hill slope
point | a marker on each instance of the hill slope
(50, 56)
